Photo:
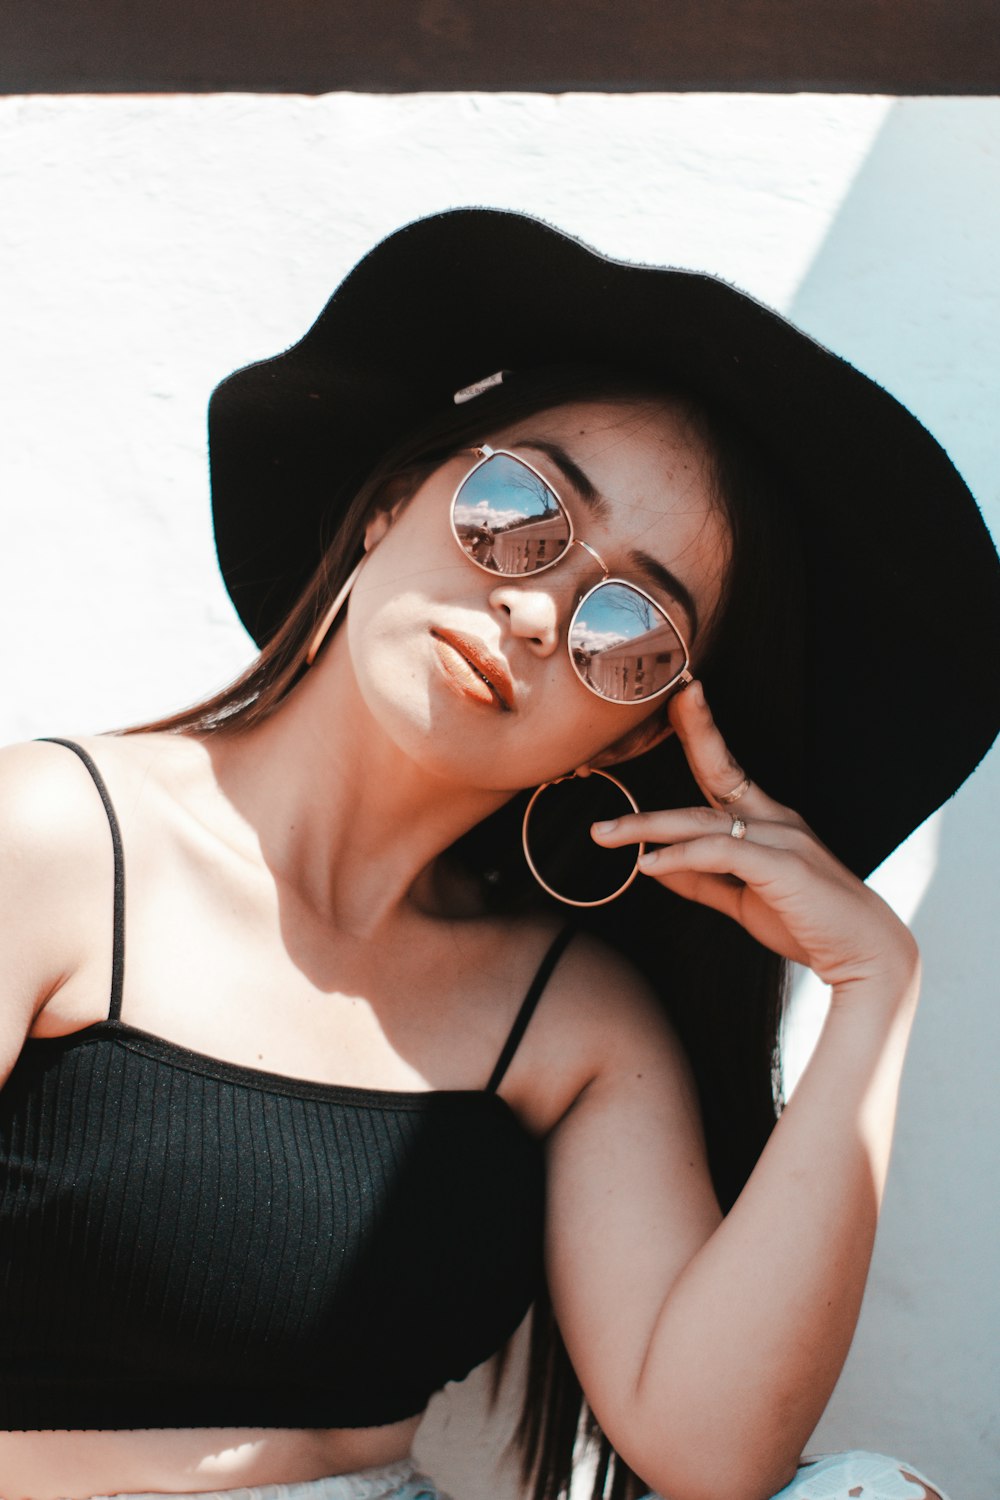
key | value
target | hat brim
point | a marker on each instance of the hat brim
(898, 556)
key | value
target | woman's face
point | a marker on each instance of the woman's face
(420, 605)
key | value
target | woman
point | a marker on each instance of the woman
(508, 512)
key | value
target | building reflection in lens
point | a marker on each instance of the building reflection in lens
(625, 647)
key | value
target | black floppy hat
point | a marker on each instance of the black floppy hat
(891, 534)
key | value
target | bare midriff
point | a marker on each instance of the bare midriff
(184, 1461)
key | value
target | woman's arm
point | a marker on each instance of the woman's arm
(709, 1349)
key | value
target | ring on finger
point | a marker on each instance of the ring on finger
(737, 792)
(739, 829)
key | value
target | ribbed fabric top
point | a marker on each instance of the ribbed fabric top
(187, 1242)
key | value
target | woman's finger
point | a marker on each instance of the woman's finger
(750, 882)
(716, 770)
(721, 892)
(682, 824)
(717, 854)
(726, 894)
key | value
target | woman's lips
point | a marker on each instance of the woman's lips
(472, 669)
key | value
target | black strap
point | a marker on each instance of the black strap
(118, 919)
(528, 1005)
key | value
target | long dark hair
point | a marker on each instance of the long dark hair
(722, 991)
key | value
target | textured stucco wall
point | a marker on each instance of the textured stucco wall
(149, 245)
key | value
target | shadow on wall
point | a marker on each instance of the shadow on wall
(905, 285)
(905, 281)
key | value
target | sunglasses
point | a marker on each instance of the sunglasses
(508, 520)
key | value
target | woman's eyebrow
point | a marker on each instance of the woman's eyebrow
(669, 583)
(570, 469)
(598, 506)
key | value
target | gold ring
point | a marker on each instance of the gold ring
(737, 792)
(738, 830)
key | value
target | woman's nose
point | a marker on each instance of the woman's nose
(533, 612)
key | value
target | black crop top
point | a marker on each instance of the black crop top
(186, 1242)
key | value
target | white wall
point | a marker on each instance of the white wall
(150, 245)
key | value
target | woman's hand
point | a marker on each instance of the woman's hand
(777, 880)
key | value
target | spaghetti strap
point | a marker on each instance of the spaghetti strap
(528, 1005)
(118, 916)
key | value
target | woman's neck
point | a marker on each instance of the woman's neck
(337, 809)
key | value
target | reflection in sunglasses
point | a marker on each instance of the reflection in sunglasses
(623, 645)
(508, 519)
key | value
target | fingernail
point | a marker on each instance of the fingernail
(607, 827)
(647, 859)
(697, 694)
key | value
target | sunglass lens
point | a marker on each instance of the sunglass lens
(623, 646)
(507, 519)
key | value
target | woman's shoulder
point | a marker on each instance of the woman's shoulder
(54, 854)
(48, 806)
(44, 784)
(45, 791)
(57, 870)
(598, 1017)
(612, 1002)
(54, 828)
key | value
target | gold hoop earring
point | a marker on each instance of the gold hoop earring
(567, 861)
(323, 629)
